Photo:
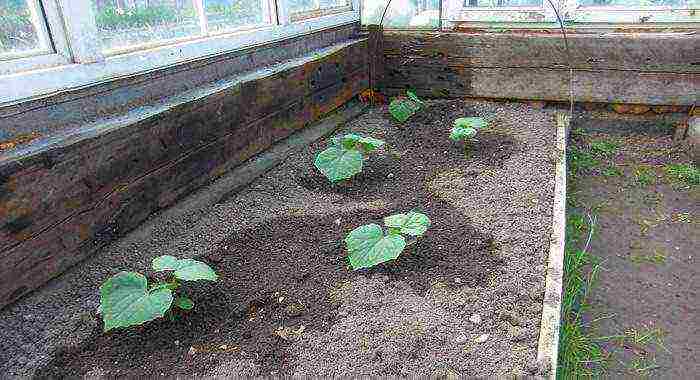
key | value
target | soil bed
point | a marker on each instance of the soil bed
(465, 300)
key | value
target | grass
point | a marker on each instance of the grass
(687, 174)
(656, 258)
(644, 176)
(605, 148)
(581, 161)
(580, 355)
(613, 171)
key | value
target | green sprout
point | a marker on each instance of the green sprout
(126, 299)
(402, 108)
(466, 128)
(370, 245)
(345, 157)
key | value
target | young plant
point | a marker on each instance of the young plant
(402, 108)
(346, 155)
(126, 299)
(466, 128)
(369, 245)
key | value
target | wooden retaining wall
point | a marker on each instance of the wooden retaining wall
(64, 197)
(655, 69)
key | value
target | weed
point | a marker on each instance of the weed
(465, 129)
(682, 217)
(613, 171)
(581, 161)
(644, 176)
(688, 174)
(656, 258)
(605, 148)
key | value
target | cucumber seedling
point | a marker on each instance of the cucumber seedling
(465, 129)
(370, 245)
(402, 108)
(346, 155)
(126, 299)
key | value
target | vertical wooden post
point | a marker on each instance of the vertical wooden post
(376, 57)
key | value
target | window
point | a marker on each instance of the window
(402, 13)
(87, 41)
(529, 13)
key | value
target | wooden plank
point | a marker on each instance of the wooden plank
(375, 52)
(670, 52)
(609, 86)
(34, 261)
(64, 179)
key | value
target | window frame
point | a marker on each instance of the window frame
(457, 14)
(85, 65)
(56, 51)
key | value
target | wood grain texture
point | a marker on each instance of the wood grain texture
(62, 201)
(657, 70)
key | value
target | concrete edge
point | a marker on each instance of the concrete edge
(548, 347)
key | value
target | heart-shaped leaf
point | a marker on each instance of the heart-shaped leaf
(471, 122)
(354, 140)
(370, 144)
(462, 133)
(338, 163)
(403, 108)
(413, 223)
(368, 246)
(126, 301)
(185, 269)
(184, 303)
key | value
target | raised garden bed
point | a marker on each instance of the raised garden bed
(466, 299)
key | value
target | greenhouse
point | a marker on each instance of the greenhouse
(433, 189)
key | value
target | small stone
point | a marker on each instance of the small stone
(475, 319)
(458, 280)
(390, 175)
(482, 338)
(337, 222)
(223, 346)
(192, 351)
(177, 342)
(461, 339)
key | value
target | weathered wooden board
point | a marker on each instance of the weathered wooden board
(675, 53)
(608, 86)
(61, 179)
(65, 202)
(658, 69)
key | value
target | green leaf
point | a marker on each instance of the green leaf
(370, 144)
(338, 163)
(184, 303)
(462, 133)
(368, 246)
(354, 140)
(403, 108)
(125, 301)
(185, 269)
(412, 223)
(412, 95)
(165, 262)
(471, 122)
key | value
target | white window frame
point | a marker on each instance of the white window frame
(51, 33)
(456, 13)
(78, 62)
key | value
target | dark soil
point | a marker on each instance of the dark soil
(647, 240)
(287, 303)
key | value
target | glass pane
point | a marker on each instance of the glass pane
(638, 3)
(503, 3)
(125, 24)
(231, 15)
(19, 36)
(402, 13)
(312, 5)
